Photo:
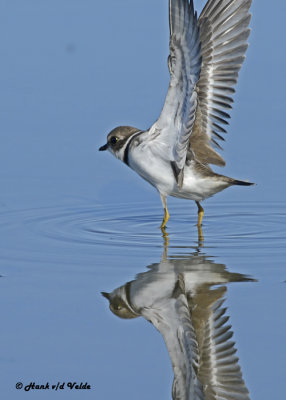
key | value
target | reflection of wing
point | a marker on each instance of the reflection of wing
(219, 371)
(172, 319)
(177, 117)
(223, 33)
(176, 296)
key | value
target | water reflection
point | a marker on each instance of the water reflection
(178, 297)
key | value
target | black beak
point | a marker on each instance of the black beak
(102, 148)
(106, 295)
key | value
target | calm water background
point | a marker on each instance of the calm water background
(75, 222)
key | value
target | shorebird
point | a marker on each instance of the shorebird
(183, 299)
(206, 54)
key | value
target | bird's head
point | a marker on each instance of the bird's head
(117, 140)
(119, 305)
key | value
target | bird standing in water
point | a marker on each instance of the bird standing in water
(206, 54)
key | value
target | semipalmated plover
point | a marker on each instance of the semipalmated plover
(183, 298)
(206, 54)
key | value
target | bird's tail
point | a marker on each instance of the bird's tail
(242, 183)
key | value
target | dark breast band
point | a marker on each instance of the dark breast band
(126, 150)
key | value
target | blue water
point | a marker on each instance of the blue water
(57, 327)
(74, 222)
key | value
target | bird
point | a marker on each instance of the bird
(183, 298)
(175, 153)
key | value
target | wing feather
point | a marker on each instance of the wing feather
(224, 30)
(173, 320)
(177, 118)
(220, 372)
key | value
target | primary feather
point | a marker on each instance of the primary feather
(224, 32)
(178, 115)
(206, 55)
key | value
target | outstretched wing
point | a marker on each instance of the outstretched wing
(224, 30)
(171, 316)
(178, 115)
(219, 372)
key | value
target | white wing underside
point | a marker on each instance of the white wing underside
(178, 115)
(206, 55)
(173, 320)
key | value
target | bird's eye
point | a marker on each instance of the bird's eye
(113, 140)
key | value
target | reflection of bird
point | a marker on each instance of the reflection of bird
(206, 55)
(177, 297)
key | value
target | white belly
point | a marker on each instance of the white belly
(197, 187)
(153, 169)
(158, 172)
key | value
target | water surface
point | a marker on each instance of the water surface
(56, 261)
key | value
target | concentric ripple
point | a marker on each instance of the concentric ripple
(98, 225)
(137, 225)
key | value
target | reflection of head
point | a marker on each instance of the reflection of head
(119, 304)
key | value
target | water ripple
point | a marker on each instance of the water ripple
(137, 225)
